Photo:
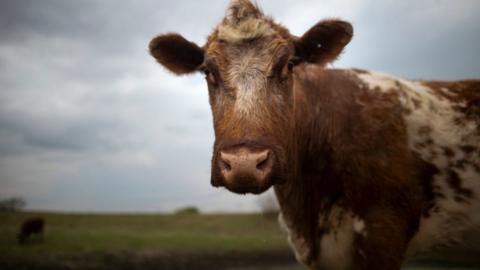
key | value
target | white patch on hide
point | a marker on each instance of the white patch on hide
(336, 244)
(297, 244)
(377, 80)
(432, 127)
(247, 76)
(359, 226)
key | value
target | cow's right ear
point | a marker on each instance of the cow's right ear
(177, 54)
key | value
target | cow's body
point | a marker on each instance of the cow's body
(367, 168)
(435, 126)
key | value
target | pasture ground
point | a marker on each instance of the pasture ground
(151, 241)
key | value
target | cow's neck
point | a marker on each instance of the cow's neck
(307, 193)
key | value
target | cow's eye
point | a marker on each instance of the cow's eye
(290, 65)
(209, 76)
(210, 69)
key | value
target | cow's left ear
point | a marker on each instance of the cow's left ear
(323, 42)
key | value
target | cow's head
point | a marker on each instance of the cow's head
(249, 64)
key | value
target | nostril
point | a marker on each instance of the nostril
(224, 163)
(262, 164)
(263, 160)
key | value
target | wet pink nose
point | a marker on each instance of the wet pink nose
(246, 166)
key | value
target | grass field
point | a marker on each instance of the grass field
(183, 241)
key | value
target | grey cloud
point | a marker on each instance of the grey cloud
(424, 39)
(51, 132)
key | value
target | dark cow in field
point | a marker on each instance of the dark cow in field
(30, 227)
(368, 168)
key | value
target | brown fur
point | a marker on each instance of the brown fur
(176, 53)
(324, 42)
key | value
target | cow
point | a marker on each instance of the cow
(369, 169)
(30, 227)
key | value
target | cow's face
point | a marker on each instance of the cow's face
(248, 63)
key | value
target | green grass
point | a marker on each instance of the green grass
(74, 232)
(150, 241)
(74, 239)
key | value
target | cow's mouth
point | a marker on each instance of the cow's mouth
(244, 185)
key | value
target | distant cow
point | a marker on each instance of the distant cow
(367, 168)
(31, 226)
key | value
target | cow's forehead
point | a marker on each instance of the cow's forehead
(247, 66)
(248, 63)
(263, 47)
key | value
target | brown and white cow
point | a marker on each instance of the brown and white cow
(367, 168)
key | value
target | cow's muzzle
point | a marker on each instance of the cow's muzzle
(245, 170)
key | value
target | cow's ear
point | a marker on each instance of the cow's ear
(323, 42)
(177, 54)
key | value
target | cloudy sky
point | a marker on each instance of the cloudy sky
(89, 122)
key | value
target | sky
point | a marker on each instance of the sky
(89, 122)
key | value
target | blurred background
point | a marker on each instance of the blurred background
(89, 122)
